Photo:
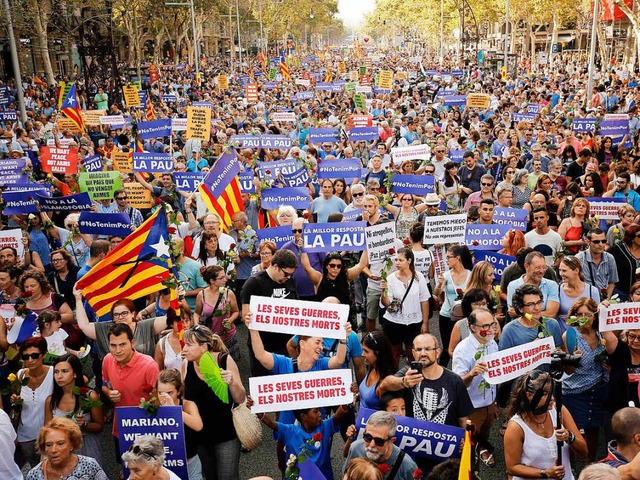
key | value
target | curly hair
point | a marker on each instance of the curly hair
(39, 277)
(64, 425)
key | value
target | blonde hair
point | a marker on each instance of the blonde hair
(479, 272)
(204, 336)
(61, 424)
(577, 202)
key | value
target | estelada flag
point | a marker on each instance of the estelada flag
(71, 108)
(134, 269)
(284, 71)
(151, 112)
(220, 189)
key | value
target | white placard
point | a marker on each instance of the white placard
(112, 120)
(363, 89)
(515, 361)
(284, 117)
(620, 316)
(299, 317)
(303, 81)
(441, 229)
(605, 210)
(13, 238)
(179, 124)
(63, 142)
(296, 391)
(380, 238)
(413, 152)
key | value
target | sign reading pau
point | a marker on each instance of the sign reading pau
(332, 237)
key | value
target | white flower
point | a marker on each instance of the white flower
(292, 460)
(317, 445)
(541, 335)
(638, 271)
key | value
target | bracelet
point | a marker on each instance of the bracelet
(571, 439)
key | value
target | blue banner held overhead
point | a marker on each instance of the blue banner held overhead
(307, 95)
(25, 201)
(296, 179)
(533, 108)
(275, 169)
(222, 174)
(456, 155)
(153, 162)
(498, 260)
(8, 116)
(352, 215)
(421, 439)
(514, 217)
(261, 141)
(319, 135)
(485, 237)
(246, 182)
(334, 237)
(454, 100)
(413, 184)
(524, 117)
(155, 129)
(274, 198)
(340, 168)
(583, 124)
(169, 98)
(609, 128)
(93, 163)
(118, 224)
(326, 86)
(277, 235)
(202, 104)
(11, 170)
(363, 133)
(73, 203)
(5, 96)
(187, 181)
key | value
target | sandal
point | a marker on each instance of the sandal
(488, 461)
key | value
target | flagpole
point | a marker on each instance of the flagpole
(15, 61)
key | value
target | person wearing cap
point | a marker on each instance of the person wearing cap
(432, 201)
(611, 100)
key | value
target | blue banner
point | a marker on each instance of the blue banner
(514, 217)
(93, 163)
(583, 124)
(363, 133)
(223, 172)
(498, 260)
(326, 86)
(273, 170)
(5, 96)
(202, 104)
(421, 439)
(457, 73)
(334, 237)
(533, 108)
(11, 171)
(485, 237)
(337, 87)
(352, 215)
(454, 100)
(261, 141)
(22, 201)
(73, 203)
(118, 224)
(610, 128)
(278, 235)
(456, 155)
(524, 117)
(166, 425)
(307, 95)
(187, 181)
(246, 182)
(153, 162)
(155, 129)
(268, 85)
(414, 184)
(142, 95)
(297, 197)
(8, 116)
(169, 98)
(340, 168)
(298, 178)
(319, 135)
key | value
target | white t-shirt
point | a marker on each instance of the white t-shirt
(423, 260)
(55, 342)
(547, 244)
(8, 468)
(411, 311)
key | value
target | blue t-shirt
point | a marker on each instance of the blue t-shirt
(294, 437)
(189, 276)
(330, 347)
(515, 334)
(322, 208)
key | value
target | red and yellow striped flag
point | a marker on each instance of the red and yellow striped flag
(151, 112)
(284, 70)
(71, 108)
(220, 189)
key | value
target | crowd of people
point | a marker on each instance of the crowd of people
(563, 266)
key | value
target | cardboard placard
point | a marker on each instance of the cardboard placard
(92, 117)
(122, 161)
(100, 185)
(131, 97)
(478, 100)
(223, 82)
(199, 123)
(620, 316)
(59, 160)
(516, 361)
(139, 196)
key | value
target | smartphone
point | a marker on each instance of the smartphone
(416, 366)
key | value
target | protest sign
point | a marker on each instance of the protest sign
(533, 108)
(11, 171)
(386, 79)
(413, 152)
(273, 198)
(358, 101)
(187, 181)
(155, 129)
(583, 124)
(122, 161)
(308, 95)
(439, 260)
(153, 162)
(419, 438)
(319, 135)
(334, 237)
(8, 116)
(295, 391)
(611, 128)
(246, 182)
(22, 201)
(485, 237)
(498, 260)
(59, 160)
(355, 121)
(304, 82)
(284, 117)
(456, 155)
(454, 100)
(413, 184)
(5, 96)
(514, 362)
(298, 317)
(71, 203)
(478, 100)
(12, 238)
(118, 224)
(296, 179)
(251, 92)
(324, 86)
(139, 196)
(99, 185)
(169, 98)
(223, 82)
(340, 168)
(605, 208)
(524, 117)
(131, 97)
(199, 123)
(515, 217)
(620, 316)
(112, 120)
(445, 229)
(381, 240)
(93, 163)
(363, 133)
(92, 117)
(261, 141)
(179, 124)
(154, 73)
(273, 170)
(166, 425)
(352, 215)
(277, 235)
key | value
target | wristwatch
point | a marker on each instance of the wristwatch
(543, 474)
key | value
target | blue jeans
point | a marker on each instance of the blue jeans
(194, 468)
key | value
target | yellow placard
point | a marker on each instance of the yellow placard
(92, 117)
(353, 76)
(65, 124)
(478, 100)
(385, 81)
(122, 161)
(342, 67)
(199, 123)
(223, 82)
(139, 197)
(131, 97)
(402, 76)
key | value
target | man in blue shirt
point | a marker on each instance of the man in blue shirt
(623, 190)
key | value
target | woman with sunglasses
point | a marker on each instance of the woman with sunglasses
(267, 249)
(33, 396)
(378, 359)
(530, 441)
(507, 177)
(405, 215)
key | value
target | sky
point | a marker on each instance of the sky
(352, 11)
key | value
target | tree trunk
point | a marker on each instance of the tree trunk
(40, 17)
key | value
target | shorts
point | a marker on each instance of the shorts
(373, 301)
(399, 334)
(588, 408)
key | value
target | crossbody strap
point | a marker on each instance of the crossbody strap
(396, 466)
(407, 291)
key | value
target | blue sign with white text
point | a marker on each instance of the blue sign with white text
(334, 237)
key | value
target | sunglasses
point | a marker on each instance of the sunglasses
(361, 194)
(429, 172)
(121, 198)
(137, 450)
(487, 184)
(32, 356)
(297, 230)
(598, 242)
(287, 274)
(334, 265)
(367, 437)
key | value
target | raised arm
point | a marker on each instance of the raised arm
(88, 328)
(357, 269)
(314, 275)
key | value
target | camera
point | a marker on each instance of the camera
(560, 359)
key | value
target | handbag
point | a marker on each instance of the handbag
(396, 305)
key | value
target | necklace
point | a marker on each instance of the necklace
(539, 424)
(61, 473)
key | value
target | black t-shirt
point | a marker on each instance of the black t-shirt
(444, 400)
(576, 170)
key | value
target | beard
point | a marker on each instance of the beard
(373, 454)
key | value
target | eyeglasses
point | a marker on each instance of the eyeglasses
(429, 172)
(426, 349)
(533, 304)
(368, 438)
(297, 230)
(510, 171)
(120, 314)
(633, 338)
(265, 254)
(334, 265)
(287, 274)
(451, 256)
(598, 242)
(373, 338)
(32, 356)
(407, 199)
(122, 198)
(361, 194)
(487, 325)
(375, 189)
(57, 260)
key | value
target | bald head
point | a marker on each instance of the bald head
(625, 425)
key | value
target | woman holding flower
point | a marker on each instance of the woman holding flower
(573, 287)
(169, 348)
(585, 392)
(71, 398)
(217, 308)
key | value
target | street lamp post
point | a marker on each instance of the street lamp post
(238, 26)
(15, 61)
(592, 52)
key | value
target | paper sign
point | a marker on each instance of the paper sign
(12, 238)
(92, 117)
(71, 203)
(298, 317)
(514, 217)
(499, 261)
(122, 161)
(199, 123)
(187, 181)
(179, 124)
(99, 185)
(139, 196)
(118, 224)
(59, 160)
(441, 229)
(295, 391)
(284, 117)
(413, 184)
(620, 316)
(584, 124)
(251, 92)
(606, 208)
(359, 121)
(478, 100)
(514, 362)
(381, 240)
(153, 162)
(223, 82)
(340, 168)
(277, 235)
(131, 97)
(112, 120)
(155, 129)
(67, 124)
(363, 133)
(93, 163)
(334, 237)
(386, 79)
(413, 152)
(485, 237)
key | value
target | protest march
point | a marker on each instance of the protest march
(358, 258)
